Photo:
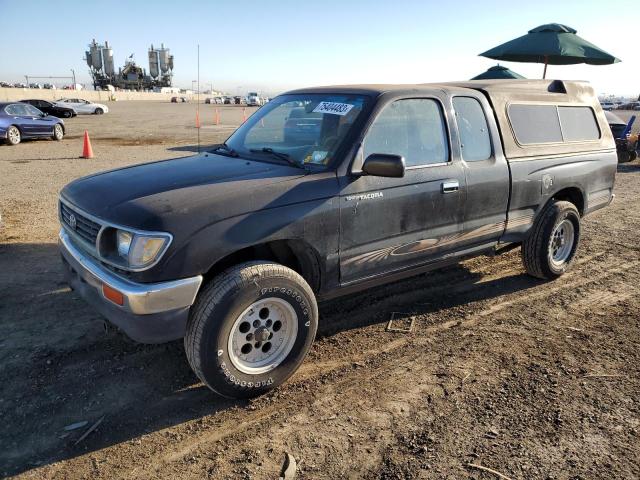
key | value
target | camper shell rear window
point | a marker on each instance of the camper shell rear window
(549, 123)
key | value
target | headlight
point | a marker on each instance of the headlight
(132, 250)
(124, 243)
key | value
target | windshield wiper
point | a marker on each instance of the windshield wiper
(280, 155)
(223, 146)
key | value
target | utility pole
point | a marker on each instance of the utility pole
(73, 72)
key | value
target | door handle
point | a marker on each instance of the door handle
(450, 187)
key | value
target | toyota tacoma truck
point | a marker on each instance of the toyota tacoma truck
(327, 191)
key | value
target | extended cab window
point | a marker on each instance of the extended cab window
(413, 128)
(475, 143)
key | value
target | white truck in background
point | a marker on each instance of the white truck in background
(253, 99)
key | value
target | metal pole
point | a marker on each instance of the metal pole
(74, 77)
(27, 79)
(198, 97)
(544, 73)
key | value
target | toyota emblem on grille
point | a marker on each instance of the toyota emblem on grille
(72, 221)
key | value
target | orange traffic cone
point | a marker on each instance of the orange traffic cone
(197, 119)
(87, 151)
(217, 117)
(244, 114)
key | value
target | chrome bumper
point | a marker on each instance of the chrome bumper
(150, 313)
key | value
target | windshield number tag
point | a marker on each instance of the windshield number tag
(334, 108)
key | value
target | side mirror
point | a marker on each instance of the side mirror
(384, 165)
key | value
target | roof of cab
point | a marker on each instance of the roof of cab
(494, 86)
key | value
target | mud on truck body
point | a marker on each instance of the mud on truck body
(328, 191)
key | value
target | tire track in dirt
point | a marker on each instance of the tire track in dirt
(348, 383)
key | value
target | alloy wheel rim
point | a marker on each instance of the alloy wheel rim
(14, 135)
(263, 335)
(561, 242)
(57, 130)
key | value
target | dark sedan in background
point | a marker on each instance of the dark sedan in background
(51, 108)
(20, 121)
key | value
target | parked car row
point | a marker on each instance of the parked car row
(608, 106)
(35, 118)
(51, 108)
(251, 100)
(46, 86)
(19, 120)
(225, 100)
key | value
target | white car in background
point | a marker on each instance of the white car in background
(83, 106)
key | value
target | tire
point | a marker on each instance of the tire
(227, 352)
(58, 132)
(13, 135)
(99, 111)
(550, 249)
(624, 157)
(67, 114)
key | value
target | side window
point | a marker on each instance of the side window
(413, 128)
(475, 142)
(535, 123)
(16, 109)
(33, 111)
(578, 123)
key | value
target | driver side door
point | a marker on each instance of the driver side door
(392, 224)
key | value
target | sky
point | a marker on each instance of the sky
(272, 45)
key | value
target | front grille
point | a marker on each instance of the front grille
(85, 228)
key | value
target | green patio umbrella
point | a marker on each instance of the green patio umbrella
(497, 73)
(553, 44)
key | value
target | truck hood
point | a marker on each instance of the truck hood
(161, 196)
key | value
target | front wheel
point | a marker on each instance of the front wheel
(251, 328)
(99, 111)
(550, 249)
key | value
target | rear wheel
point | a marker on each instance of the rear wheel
(251, 328)
(549, 250)
(13, 135)
(58, 132)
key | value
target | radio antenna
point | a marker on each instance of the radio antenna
(198, 99)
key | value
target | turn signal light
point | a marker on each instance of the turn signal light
(113, 295)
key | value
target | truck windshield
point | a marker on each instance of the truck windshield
(307, 128)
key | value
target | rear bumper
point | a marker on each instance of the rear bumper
(150, 313)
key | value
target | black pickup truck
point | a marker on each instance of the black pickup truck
(327, 191)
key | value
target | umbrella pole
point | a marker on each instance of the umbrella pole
(544, 73)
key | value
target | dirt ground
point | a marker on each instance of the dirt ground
(534, 380)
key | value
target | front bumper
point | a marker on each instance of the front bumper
(150, 312)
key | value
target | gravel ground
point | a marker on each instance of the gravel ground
(534, 380)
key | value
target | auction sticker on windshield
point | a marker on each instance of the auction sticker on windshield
(333, 107)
